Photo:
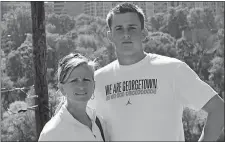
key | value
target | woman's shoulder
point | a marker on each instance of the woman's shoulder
(51, 130)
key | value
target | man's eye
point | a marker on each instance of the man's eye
(132, 28)
(86, 79)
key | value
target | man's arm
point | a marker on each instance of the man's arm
(215, 120)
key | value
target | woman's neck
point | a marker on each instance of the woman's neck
(78, 111)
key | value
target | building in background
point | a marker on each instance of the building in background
(59, 7)
(68, 7)
(49, 7)
(98, 8)
(74, 8)
(157, 7)
(12, 5)
(101, 8)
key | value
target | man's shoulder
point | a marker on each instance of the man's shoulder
(109, 67)
(157, 59)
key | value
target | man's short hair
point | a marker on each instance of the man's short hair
(124, 8)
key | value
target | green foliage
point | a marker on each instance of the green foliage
(87, 41)
(193, 123)
(160, 43)
(176, 22)
(18, 23)
(200, 18)
(217, 74)
(54, 99)
(219, 20)
(16, 106)
(5, 79)
(13, 66)
(19, 127)
(19, 65)
(157, 21)
(83, 19)
(62, 23)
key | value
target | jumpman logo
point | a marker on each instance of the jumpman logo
(128, 103)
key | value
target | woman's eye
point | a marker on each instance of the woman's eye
(75, 80)
(117, 29)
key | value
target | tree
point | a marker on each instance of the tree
(19, 65)
(83, 19)
(13, 66)
(18, 126)
(157, 21)
(216, 69)
(193, 123)
(63, 23)
(176, 22)
(217, 74)
(64, 46)
(40, 64)
(199, 18)
(195, 55)
(18, 24)
(5, 79)
(87, 41)
(25, 52)
(219, 20)
(160, 43)
(111, 52)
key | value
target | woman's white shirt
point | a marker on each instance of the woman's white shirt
(64, 127)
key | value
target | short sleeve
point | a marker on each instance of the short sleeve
(192, 91)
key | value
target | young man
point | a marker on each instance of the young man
(142, 95)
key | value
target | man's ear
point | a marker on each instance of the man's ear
(61, 89)
(144, 34)
(109, 36)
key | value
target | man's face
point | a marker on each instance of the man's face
(126, 33)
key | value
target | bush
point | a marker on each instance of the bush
(19, 127)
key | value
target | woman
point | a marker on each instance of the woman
(75, 121)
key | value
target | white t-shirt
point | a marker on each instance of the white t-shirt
(64, 127)
(144, 101)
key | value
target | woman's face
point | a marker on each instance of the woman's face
(79, 86)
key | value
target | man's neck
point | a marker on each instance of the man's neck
(130, 59)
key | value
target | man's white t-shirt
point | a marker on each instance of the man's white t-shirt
(144, 101)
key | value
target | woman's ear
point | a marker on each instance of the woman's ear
(144, 34)
(94, 87)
